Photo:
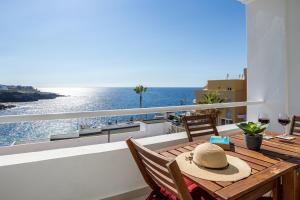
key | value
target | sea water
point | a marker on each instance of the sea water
(85, 99)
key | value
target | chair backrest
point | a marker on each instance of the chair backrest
(199, 125)
(159, 171)
(295, 126)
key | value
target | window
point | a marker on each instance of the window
(226, 121)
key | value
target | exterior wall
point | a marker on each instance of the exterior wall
(153, 129)
(267, 65)
(237, 93)
(293, 53)
(224, 84)
(89, 172)
(273, 57)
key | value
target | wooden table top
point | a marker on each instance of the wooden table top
(275, 158)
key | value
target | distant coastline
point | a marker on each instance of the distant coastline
(13, 94)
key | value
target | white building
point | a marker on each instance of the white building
(273, 34)
(3, 87)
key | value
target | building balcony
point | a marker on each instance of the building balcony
(91, 170)
(87, 168)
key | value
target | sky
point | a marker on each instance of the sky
(87, 43)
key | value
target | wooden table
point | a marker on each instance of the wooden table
(276, 165)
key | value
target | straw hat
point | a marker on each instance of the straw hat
(209, 161)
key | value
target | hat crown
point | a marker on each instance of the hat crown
(210, 156)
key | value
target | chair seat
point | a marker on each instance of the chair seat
(196, 192)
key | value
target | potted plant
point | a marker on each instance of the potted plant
(252, 132)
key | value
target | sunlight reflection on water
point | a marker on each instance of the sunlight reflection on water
(84, 99)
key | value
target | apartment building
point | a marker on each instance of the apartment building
(231, 90)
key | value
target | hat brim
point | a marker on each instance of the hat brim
(236, 170)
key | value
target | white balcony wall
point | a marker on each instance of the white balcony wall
(273, 57)
(91, 172)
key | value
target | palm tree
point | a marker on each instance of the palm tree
(140, 90)
(210, 98)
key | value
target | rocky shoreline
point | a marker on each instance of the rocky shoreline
(4, 107)
(6, 97)
(11, 94)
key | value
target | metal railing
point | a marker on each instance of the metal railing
(121, 112)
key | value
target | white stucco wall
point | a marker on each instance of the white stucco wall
(273, 57)
(267, 58)
(90, 172)
(152, 129)
(293, 54)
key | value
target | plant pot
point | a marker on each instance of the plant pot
(253, 142)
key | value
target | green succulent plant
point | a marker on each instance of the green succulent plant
(252, 128)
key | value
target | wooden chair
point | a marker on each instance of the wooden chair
(199, 125)
(295, 126)
(159, 171)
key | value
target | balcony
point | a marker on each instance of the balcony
(77, 170)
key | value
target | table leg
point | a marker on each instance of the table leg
(290, 185)
(265, 189)
(275, 191)
(297, 184)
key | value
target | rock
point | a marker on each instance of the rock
(24, 94)
(26, 97)
(4, 107)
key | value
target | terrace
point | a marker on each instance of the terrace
(85, 169)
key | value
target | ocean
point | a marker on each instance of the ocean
(84, 99)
